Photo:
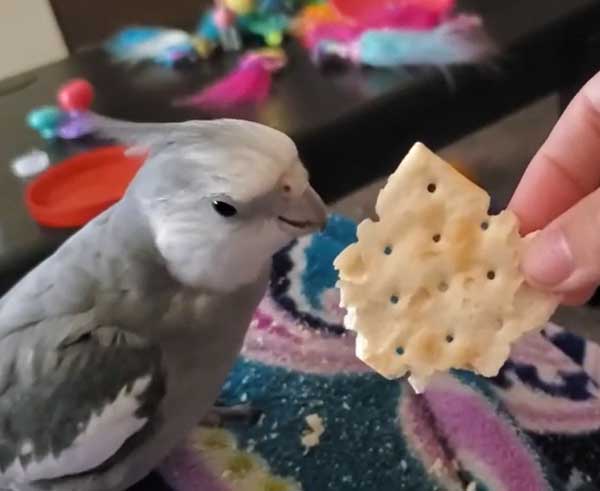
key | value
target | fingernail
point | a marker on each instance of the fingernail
(548, 261)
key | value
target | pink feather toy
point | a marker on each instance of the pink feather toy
(345, 20)
(249, 83)
(400, 14)
(391, 33)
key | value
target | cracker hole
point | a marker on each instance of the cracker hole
(394, 299)
(437, 238)
(443, 286)
(431, 188)
(491, 275)
(449, 338)
(485, 225)
(388, 250)
(399, 350)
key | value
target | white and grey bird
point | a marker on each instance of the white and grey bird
(117, 345)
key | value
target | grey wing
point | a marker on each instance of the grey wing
(72, 394)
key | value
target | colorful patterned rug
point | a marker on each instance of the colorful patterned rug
(534, 427)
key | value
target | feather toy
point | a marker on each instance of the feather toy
(413, 14)
(332, 22)
(168, 47)
(249, 83)
(391, 33)
(460, 40)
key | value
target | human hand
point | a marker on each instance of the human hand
(559, 194)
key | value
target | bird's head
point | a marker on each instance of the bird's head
(220, 197)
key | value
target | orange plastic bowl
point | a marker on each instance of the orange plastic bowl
(71, 193)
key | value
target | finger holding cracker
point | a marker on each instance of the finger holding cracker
(559, 196)
(435, 284)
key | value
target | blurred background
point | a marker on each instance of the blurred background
(34, 25)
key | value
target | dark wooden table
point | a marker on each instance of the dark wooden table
(351, 125)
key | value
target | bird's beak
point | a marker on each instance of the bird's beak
(304, 214)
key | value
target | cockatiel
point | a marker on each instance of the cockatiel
(117, 345)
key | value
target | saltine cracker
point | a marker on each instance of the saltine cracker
(435, 284)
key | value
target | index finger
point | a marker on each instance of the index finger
(567, 166)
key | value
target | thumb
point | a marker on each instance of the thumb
(565, 256)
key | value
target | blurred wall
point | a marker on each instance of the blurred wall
(29, 36)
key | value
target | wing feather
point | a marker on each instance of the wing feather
(72, 393)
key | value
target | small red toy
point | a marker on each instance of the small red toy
(76, 95)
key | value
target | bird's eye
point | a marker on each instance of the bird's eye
(224, 209)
